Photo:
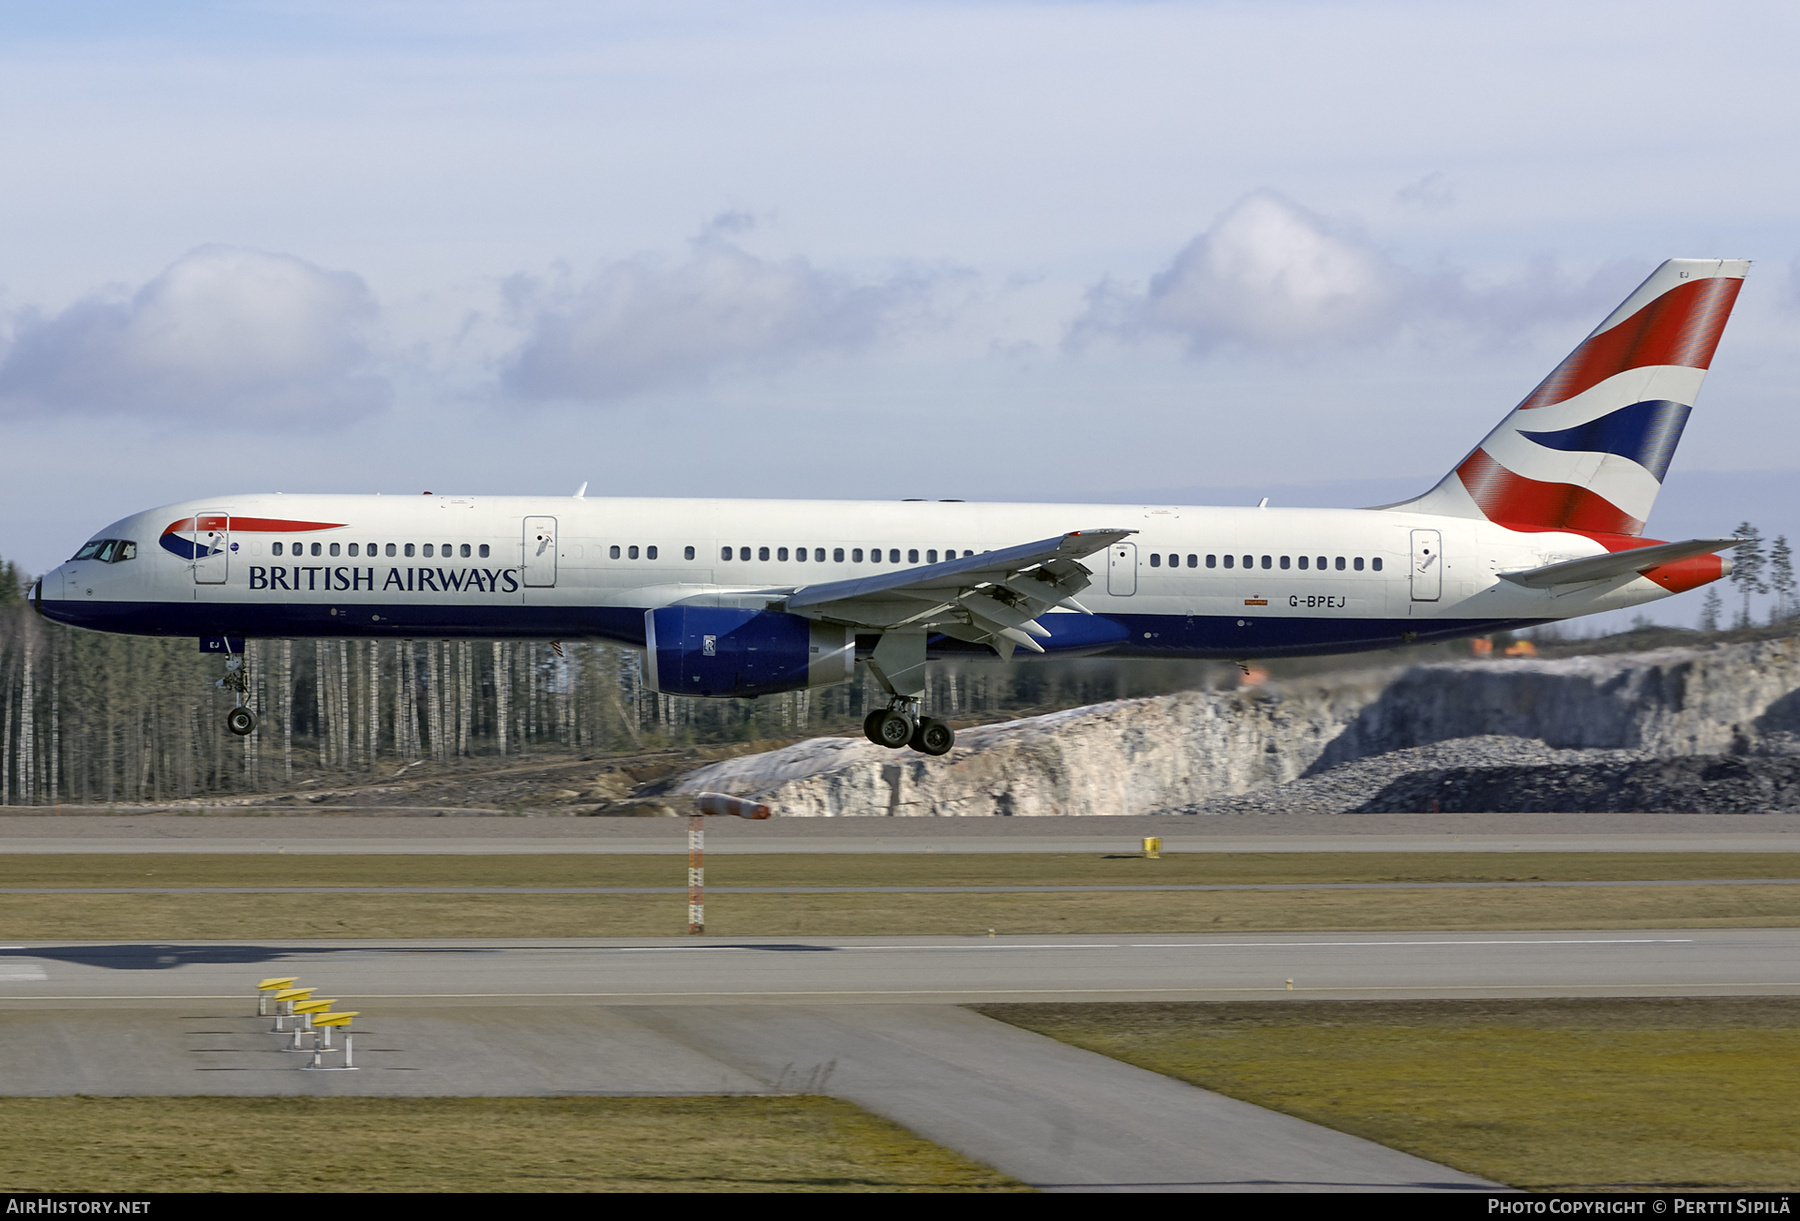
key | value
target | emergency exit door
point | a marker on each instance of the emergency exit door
(1121, 569)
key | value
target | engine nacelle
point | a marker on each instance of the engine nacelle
(710, 650)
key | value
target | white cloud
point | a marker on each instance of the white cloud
(224, 334)
(1273, 275)
(1269, 273)
(644, 322)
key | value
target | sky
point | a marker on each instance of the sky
(1047, 251)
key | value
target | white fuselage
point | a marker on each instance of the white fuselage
(1198, 582)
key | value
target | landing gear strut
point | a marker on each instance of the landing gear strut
(898, 664)
(899, 724)
(240, 720)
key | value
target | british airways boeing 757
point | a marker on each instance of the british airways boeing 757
(1544, 520)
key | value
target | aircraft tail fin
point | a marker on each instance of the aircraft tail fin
(1587, 450)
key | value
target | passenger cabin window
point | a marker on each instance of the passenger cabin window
(1193, 561)
(819, 555)
(1155, 560)
(781, 553)
(389, 549)
(912, 556)
(1284, 561)
(612, 552)
(762, 553)
(274, 549)
(856, 555)
(724, 553)
(687, 553)
(1268, 561)
(893, 555)
(462, 551)
(1212, 561)
(1375, 563)
(631, 552)
(743, 553)
(837, 555)
(334, 549)
(1340, 563)
(1230, 560)
(1358, 564)
(650, 552)
(874, 555)
(931, 556)
(352, 549)
(1303, 563)
(409, 550)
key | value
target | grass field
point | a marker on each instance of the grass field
(253, 916)
(872, 869)
(1564, 1095)
(470, 1144)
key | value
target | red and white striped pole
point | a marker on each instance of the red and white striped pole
(697, 873)
(710, 803)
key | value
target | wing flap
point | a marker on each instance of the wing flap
(993, 598)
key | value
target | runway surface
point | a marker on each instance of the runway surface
(701, 970)
(89, 831)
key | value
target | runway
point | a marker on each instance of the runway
(921, 970)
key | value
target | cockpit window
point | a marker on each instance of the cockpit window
(107, 551)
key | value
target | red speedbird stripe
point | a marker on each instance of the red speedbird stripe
(270, 525)
(1512, 499)
(1681, 327)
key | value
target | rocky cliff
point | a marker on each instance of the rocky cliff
(1211, 750)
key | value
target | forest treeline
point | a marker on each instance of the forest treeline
(87, 717)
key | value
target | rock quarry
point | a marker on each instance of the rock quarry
(1692, 728)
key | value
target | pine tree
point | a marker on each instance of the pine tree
(1710, 607)
(1748, 563)
(1781, 579)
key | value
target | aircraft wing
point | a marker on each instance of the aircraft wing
(993, 598)
(1617, 563)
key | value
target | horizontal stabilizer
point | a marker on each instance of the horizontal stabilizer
(1617, 563)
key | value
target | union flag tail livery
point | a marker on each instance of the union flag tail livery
(1587, 450)
(745, 598)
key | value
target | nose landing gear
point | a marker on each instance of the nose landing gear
(240, 720)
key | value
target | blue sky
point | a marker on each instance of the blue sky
(1061, 251)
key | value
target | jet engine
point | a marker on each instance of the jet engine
(720, 651)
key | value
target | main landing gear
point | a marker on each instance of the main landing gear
(899, 724)
(240, 720)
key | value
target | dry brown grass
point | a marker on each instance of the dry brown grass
(470, 1144)
(1563, 1095)
(224, 917)
(872, 869)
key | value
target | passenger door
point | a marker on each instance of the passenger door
(539, 569)
(210, 534)
(1427, 566)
